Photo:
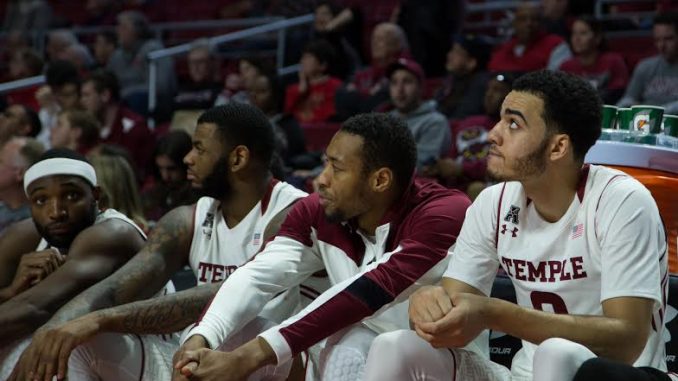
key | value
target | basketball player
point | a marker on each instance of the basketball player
(67, 245)
(379, 236)
(242, 208)
(584, 247)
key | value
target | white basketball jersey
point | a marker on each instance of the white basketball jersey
(218, 250)
(101, 217)
(610, 243)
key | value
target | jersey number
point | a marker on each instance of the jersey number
(539, 299)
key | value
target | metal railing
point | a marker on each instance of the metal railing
(21, 83)
(278, 26)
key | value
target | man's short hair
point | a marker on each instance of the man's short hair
(243, 124)
(571, 106)
(60, 73)
(387, 142)
(322, 51)
(105, 80)
(667, 18)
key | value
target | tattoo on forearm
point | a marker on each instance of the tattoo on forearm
(165, 314)
(131, 281)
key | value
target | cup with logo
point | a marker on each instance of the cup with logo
(670, 125)
(647, 119)
(624, 118)
(609, 116)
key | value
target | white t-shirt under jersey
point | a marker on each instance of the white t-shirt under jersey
(218, 250)
(101, 217)
(610, 243)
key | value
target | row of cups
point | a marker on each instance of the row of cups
(641, 118)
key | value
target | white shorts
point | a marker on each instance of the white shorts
(9, 356)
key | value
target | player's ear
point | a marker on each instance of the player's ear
(239, 158)
(560, 146)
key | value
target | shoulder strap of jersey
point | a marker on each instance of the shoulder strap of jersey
(496, 228)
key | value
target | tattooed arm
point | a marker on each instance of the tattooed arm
(143, 275)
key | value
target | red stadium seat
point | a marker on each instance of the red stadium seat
(318, 135)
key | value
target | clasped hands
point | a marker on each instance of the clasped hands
(447, 321)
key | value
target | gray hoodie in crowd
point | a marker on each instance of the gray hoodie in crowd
(430, 131)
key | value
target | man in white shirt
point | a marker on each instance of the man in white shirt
(583, 245)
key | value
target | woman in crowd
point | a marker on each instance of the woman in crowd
(606, 71)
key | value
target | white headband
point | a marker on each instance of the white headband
(59, 166)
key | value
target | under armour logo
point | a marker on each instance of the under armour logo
(512, 215)
(514, 232)
(207, 225)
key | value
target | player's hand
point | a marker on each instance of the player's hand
(429, 304)
(463, 322)
(50, 348)
(208, 365)
(195, 342)
(34, 267)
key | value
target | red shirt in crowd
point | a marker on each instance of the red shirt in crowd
(609, 72)
(316, 104)
(535, 56)
(129, 130)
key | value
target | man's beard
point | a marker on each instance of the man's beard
(526, 166)
(65, 241)
(216, 184)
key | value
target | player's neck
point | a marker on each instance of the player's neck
(553, 191)
(245, 195)
(370, 220)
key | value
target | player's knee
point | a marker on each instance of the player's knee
(557, 352)
(398, 348)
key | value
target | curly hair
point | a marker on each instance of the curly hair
(571, 106)
(243, 124)
(387, 142)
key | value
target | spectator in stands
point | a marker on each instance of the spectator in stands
(199, 90)
(266, 93)
(105, 43)
(606, 71)
(461, 94)
(339, 27)
(25, 62)
(63, 80)
(80, 56)
(312, 99)
(18, 120)
(119, 125)
(655, 79)
(555, 17)
(119, 189)
(58, 41)
(369, 87)
(130, 65)
(76, 130)
(428, 127)
(170, 188)
(236, 85)
(531, 48)
(27, 16)
(16, 156)
(428, 25)
(465, 165)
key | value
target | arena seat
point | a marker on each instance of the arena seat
(502, 346)
(318, 135)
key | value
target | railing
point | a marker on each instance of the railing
(279, 26)
(21, 83)
(599, 9)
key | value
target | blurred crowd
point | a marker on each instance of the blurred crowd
(415, 61)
